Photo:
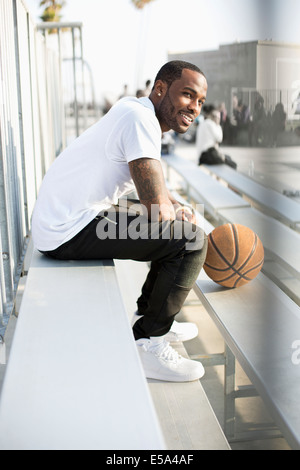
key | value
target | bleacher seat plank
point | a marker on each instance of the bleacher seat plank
(280, 241)
(274, 203)
(186, 406)
(260, 324)
(74, 379)
(208, 190)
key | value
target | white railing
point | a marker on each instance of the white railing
(75, 78)
(32, 132)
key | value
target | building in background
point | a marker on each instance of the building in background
(244, 70)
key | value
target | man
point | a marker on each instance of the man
(77, 215)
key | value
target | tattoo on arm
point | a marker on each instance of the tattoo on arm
(148, 179)
(150, 184)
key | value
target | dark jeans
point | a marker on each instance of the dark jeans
(177, 252)
(213, 157)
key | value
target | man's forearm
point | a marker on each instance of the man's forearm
(150, 184)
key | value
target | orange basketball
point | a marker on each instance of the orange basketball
(235, 255)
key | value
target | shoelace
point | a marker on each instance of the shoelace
(165, 351)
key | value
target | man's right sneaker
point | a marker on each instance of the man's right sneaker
(179, 332)
(161, 362)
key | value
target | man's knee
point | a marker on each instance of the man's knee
(194, 237)
(192, 260)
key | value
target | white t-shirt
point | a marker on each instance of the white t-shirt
(93, 173)
(209, 134)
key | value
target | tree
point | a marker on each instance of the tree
(52, 10)
(140, 3)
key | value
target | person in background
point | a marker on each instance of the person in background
(242, 116)
(144, 92)
(258, 125)
(278, 122)
(208, 139)
(147, 90)
(125, 91)
(225, 122)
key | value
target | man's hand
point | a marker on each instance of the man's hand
(186, 214)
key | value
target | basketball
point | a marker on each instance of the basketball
(235, 255)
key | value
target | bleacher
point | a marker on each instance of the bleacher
(73, 378)
(259, 321)
(272, 202)
(223, 205)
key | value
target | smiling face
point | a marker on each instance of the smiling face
(178, 105)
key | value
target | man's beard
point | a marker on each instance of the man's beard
(167, 115)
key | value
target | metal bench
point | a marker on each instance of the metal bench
(260, 325)
(270, 201)
(281, 245)
(74, 379)
(280, 241)
(202, 187)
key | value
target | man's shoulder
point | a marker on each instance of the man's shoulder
(135, 105)
(131, 111)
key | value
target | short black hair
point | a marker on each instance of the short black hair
(172, 71)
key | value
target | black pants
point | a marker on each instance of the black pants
(177, 252)
(213, 157)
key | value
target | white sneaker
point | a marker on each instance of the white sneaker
(179, 332)
(183, 331)
(161, 362)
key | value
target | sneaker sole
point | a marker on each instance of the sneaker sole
(172, 376)
(174, 379)
(191, 378)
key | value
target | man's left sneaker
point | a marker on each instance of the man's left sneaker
(181, 331)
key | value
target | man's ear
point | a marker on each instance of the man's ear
(160, 88)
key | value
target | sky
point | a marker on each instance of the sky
(124, 45)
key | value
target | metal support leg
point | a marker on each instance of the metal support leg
(229, 394)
